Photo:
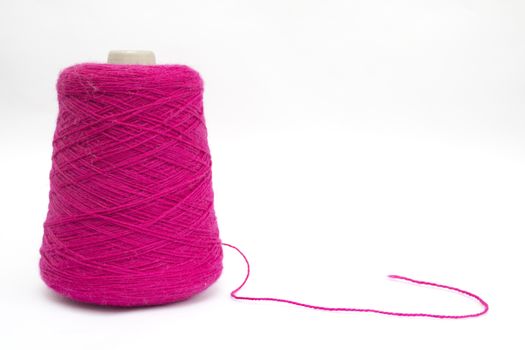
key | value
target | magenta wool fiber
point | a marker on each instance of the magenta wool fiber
(131, 219)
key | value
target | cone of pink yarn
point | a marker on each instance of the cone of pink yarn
(131, 220)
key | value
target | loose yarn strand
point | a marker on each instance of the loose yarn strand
(364, 310)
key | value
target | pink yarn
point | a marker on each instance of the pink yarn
(131, 219)
(352, 309)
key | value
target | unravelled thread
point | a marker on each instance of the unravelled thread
(131, 220)
(350, 309)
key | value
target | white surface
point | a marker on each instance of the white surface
(131, 57)
(350, 140)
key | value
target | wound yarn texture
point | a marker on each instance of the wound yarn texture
(131, 220)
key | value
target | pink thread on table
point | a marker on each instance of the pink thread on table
(351, 309)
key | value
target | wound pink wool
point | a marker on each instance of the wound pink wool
(131, 219)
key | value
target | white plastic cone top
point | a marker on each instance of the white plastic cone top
(131, 57)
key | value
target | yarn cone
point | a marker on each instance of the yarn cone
(131, 220)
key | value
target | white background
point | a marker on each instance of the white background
(350, 140)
